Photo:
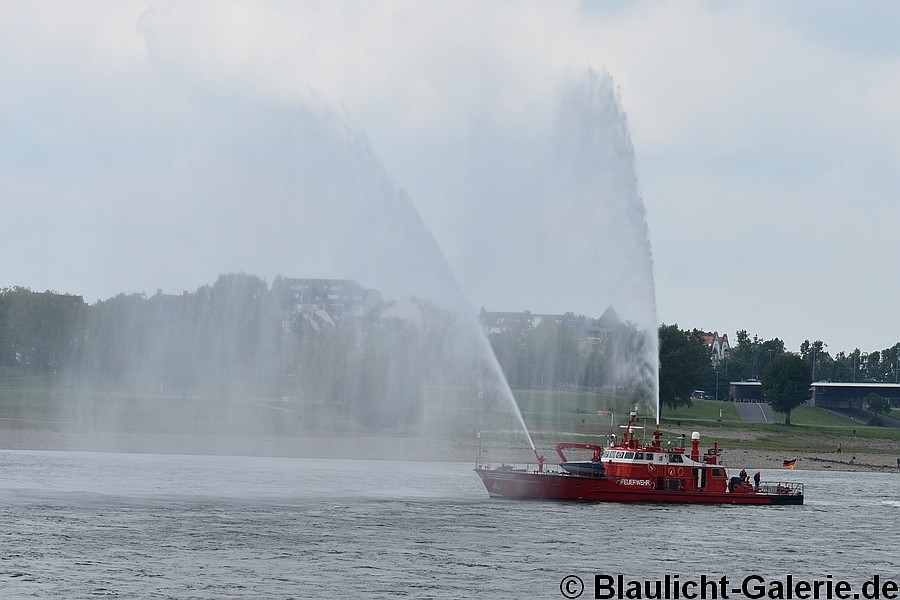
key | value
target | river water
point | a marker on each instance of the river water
(87, 525)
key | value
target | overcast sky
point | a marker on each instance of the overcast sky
(766, 139)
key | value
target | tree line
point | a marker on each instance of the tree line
(240, 333)
(239, 337)
(548, 355)
(686, 364)
(214, 330)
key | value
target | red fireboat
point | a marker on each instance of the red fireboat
(630, 471)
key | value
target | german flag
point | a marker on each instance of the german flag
(789, 464)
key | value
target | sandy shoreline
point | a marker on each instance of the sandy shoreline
(810, 461)
(388, 447)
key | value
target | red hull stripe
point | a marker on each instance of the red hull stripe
(555, 486)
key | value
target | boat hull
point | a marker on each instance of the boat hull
(532, 485)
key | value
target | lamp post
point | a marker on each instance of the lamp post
(815, 349)
(814, 362)
(717, 380)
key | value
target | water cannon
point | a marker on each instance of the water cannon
(540, 460)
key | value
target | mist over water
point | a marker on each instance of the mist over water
(361, 326)
(334, 310)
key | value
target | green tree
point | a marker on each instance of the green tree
(556, 357)
(236, 327)
(117, 333)
(786, 383)
(750, 356)
(841, 369)
(873, 366)
(40, 330)
(818, 358)
(877, 405)
(891, 358)
(682, 360)
(514, 349)
(541, 356)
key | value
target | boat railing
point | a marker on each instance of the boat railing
(783, 488)
(517, 467)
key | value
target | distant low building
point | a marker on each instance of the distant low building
(310, 307)
(827, 394)
(314, 305)
(747, 391)
(342, 300)
(499, 322)
(589, 332)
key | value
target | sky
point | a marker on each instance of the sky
(766, 139)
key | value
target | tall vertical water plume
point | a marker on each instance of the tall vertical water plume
(563, 198)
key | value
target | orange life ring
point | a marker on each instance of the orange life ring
(680, 471)
(671, 471)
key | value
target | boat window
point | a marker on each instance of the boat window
(649, 456)
(629, 455)
(620, 454)
(717, 472)
(605, 453)
(675, 458)
(639, 455)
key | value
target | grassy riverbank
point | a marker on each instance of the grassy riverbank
(35, 413)
(811, 430)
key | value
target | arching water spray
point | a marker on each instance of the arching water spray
(506, 391)
(297, 191)
(363, 329)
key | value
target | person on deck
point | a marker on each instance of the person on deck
(756, 479)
